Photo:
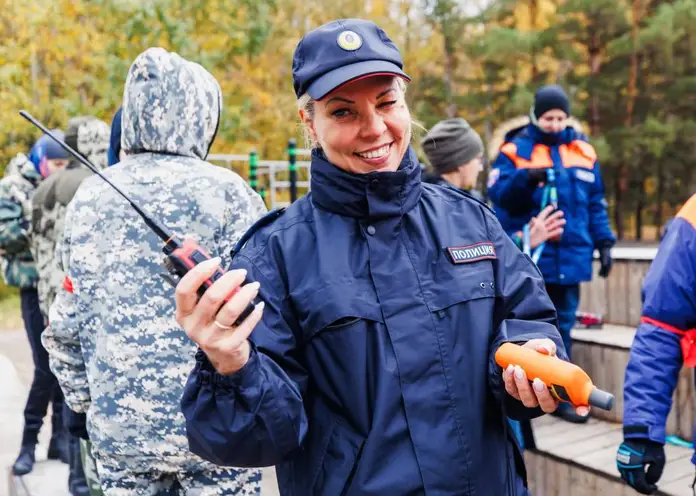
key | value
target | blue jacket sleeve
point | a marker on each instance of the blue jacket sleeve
(255, 417)
(510, 189)
(523, 312)
(669, 309)
(600, 230)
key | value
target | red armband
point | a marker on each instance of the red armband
(687, 341)
(67, 285)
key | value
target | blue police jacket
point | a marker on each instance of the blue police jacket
(580, 196)
(372, 371)
(666, 338)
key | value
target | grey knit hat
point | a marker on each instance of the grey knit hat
(450, 144)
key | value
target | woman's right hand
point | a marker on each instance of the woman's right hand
(546, 226)
(208, 322)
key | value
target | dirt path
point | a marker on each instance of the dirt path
(49, 478)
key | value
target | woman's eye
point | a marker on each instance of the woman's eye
(387, 104)
(340, 113)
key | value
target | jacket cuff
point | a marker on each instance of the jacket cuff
(604, 243)
(651, 432)
(243, 378)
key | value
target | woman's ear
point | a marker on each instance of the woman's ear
(309, 125)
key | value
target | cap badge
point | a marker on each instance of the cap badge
(349, 40)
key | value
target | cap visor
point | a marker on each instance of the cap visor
(349, 73)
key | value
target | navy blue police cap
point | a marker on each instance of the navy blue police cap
(342, 51)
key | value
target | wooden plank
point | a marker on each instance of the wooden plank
(582, 482)
(678, 468)
(611, 438)
(585, 297)
(557, 479)
(530, 460)
(554, 477)
(544, 420)
(609, 487)
(611, 379)
(593, 292)
(617, 336)
(636, 273)
(679, 487)
(606, 367)
(684, 404)
(618, 294)
(562, 436)
(539, 475)
(672, 425)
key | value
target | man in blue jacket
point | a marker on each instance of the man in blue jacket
(549, 162)
(664, 343)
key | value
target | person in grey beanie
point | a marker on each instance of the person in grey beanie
(455, 152)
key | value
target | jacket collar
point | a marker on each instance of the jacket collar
(531, 136)
(372, 195)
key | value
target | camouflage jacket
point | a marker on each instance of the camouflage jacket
(113, 340)
(52, 198)
(16, 190)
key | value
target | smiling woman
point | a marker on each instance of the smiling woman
(370, 369)
(361, 127)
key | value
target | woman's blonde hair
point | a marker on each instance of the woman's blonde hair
(306, 104)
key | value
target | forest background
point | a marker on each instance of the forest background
(629, 67)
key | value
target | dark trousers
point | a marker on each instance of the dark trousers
(44, 387)
(566, 300)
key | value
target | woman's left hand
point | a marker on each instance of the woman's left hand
(536, 394)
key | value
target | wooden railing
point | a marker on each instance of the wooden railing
(618, 297)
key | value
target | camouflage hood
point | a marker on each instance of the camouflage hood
(170, 106)
(89, 136)
(21, 165)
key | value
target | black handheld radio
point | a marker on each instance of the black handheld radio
(181, 256)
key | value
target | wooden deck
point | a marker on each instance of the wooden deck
(603, 354)
(617, 297)
(580, 460)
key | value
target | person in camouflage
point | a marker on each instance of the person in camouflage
(16, 190)
(113, 341)
(90, 137)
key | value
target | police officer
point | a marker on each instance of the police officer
(371, 367)
(663, 344)
(548, 162)
(16, 192)
(114, 344)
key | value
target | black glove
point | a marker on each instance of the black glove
(605, 260)
(536, 176)
(76, 424)
(637, 455)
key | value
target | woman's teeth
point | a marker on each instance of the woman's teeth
(378, 153)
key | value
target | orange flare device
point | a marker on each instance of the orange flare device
(566, 381)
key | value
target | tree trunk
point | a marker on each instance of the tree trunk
(660, 195)
(618, 211)
(532, 18)
(451, 109)
(633, 73)
(621, 178)
(595, 64)
(640, 204)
